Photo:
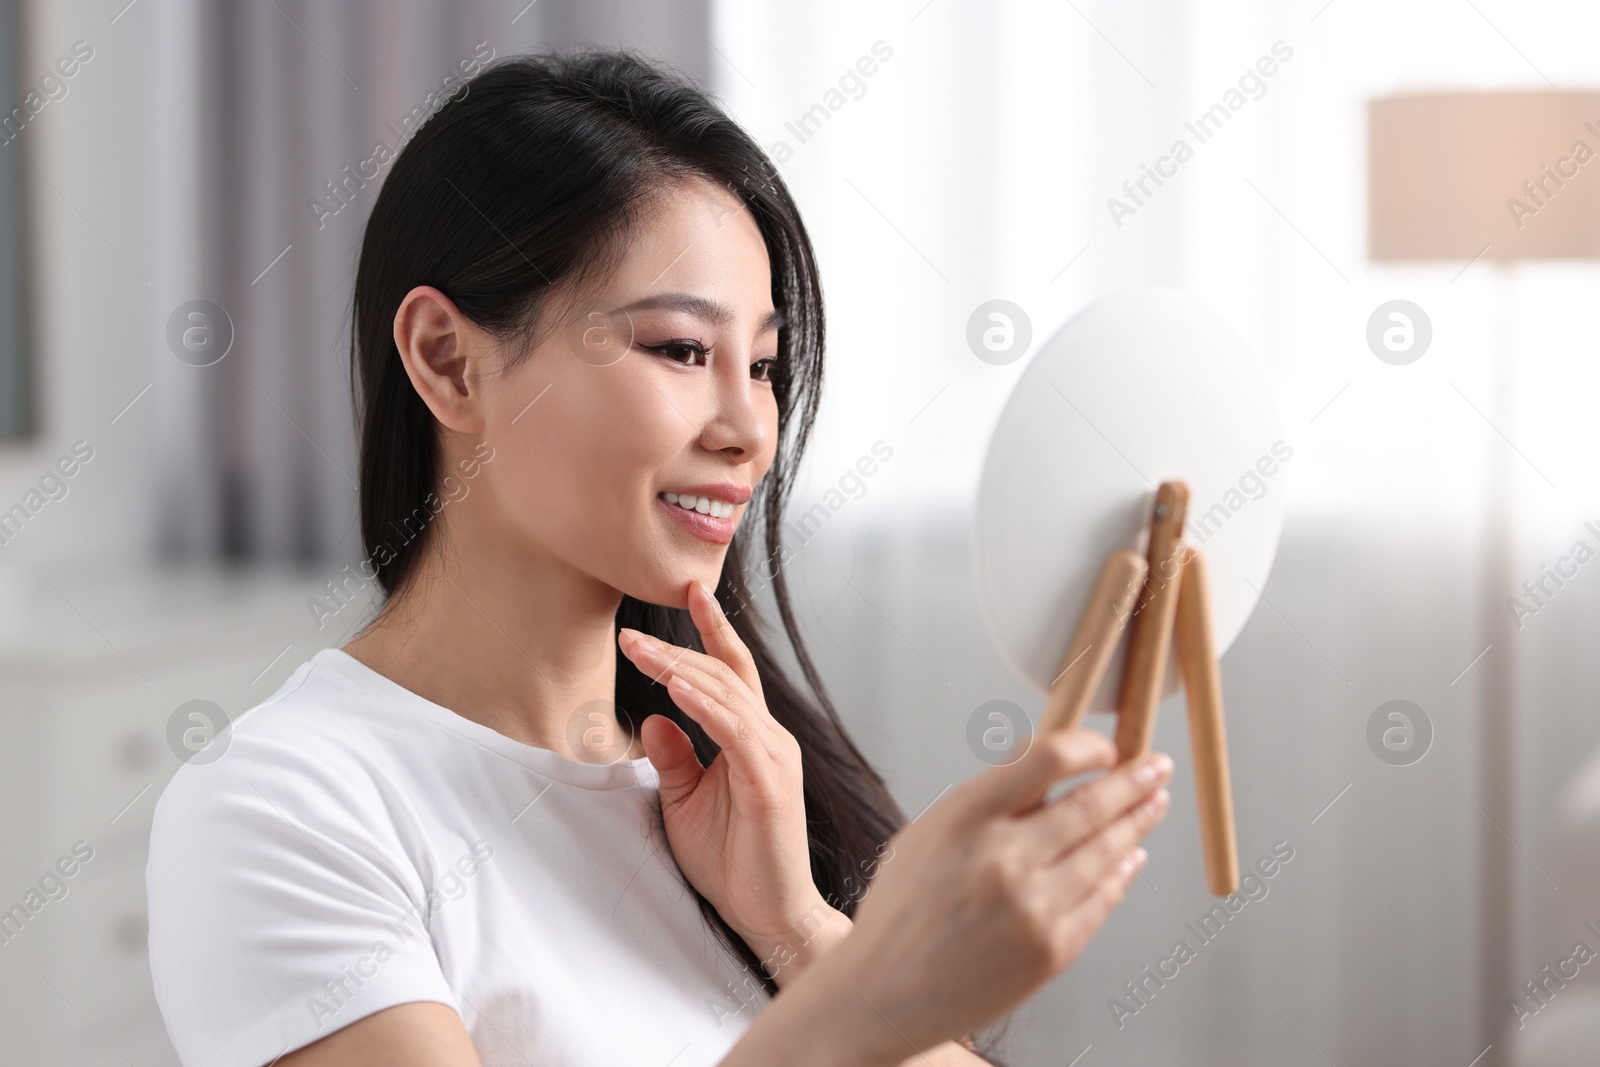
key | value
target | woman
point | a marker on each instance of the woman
(558, 803)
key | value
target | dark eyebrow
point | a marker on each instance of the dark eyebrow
(717, 313)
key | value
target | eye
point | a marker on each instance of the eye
(761, 369)
(676, 350)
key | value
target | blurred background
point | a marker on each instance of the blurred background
(1443, 507)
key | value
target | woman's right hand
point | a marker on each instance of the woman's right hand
(985, 897)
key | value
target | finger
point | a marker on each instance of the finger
(719, 636)
(659, 659)
(1088, 913)
(652, 656)
(726, 693)
(1085, 865)
(1091, 807)
(1021, 785)
(733, 734)
(672, 755)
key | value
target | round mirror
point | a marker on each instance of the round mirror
(1141, 387)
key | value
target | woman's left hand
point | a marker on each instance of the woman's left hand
(738, 827)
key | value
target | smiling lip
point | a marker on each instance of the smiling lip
(732, 492)
(715, 529)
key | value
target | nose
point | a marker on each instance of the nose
(737, 427)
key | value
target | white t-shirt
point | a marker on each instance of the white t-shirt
(356, 846)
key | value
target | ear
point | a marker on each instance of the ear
(442, 351)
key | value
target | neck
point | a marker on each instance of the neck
(517, 644)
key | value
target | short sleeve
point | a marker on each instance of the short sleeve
(283, 906)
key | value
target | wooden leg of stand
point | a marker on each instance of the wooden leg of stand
(1145, 669)
(1202, 684)
(1098, 629)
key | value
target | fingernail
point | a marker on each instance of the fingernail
(1139, 856)
(1152, 807)
(1154, 769)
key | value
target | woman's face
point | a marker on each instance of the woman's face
(635, 463)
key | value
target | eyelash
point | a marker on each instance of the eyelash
(765, 375)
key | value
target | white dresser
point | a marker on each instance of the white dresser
(92, 667)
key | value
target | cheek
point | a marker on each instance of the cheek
(769, 447)
(584, 459)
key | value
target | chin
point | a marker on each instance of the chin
(667, 561)
(669, 586)
(667, 593)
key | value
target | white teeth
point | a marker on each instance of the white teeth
(705, 505)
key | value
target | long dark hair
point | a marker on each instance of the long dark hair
(528, 179)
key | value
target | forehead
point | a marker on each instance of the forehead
(697, 236)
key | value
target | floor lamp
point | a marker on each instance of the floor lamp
(1498, 177)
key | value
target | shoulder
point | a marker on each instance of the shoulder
(287, 845)
(317, 731)
(316, 760)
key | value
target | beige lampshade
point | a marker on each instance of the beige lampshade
(1451, 173)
